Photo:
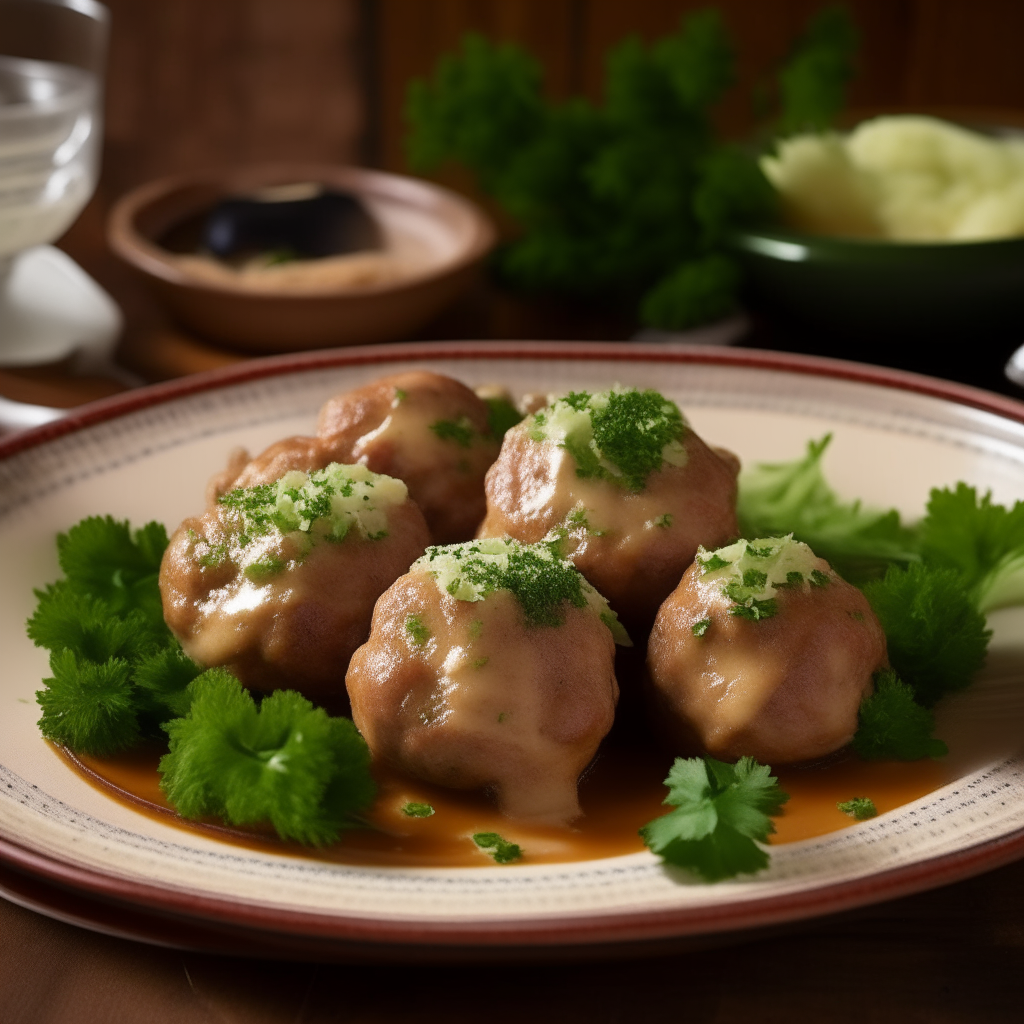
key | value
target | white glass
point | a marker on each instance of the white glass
(52, 56)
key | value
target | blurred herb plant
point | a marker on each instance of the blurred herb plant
(630, 201)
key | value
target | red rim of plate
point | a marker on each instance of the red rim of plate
(586, 930)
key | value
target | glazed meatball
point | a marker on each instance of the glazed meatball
(426, 429)
(762, 650)
(278, 582)
(624, 484)
(490, 666)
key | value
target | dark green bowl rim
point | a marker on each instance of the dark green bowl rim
(794, 247)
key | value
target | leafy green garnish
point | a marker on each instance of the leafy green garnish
(861, 808)
(500, 849)
(794, 497)
(720, 809)
(936, 637)
(116, 670)
(982, 541)
(415, 810)
(285, 762)
(893, 726)
(701, 627)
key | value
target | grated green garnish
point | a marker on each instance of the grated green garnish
(622, 435)
(541, 581)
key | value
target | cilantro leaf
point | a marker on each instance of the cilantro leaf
(794, 497)
(981, 540)
(284, 762)
(720, 809)
(936, 637)
(893, 726)
(500, 849)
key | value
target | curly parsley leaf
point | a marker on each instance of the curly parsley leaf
(893, 726)
(794, 497)
(935, 635)
(284, 762)
(89, 707)
(720, 810)
(502, 416)
(500, 849)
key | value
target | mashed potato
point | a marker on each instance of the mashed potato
(906, 178)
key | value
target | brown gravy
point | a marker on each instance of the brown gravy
(622, 791)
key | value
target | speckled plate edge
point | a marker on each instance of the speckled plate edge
(113, 900)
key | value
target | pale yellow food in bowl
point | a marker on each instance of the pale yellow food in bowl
(904, 178)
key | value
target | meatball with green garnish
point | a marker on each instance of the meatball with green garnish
(490, 666)
(277, 582)
(426, 429)
(763, 651)
(623, 484)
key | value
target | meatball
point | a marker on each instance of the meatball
(490, 666)
(762, 650)
(627, 487)
(426, 429)
(278, 582)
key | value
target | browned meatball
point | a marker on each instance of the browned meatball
(423, 428)
(473, 692)
(278, 582)
(762, 650)
(633, 543)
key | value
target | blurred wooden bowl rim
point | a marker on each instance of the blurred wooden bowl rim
(278, 321)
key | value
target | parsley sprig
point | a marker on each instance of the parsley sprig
(720, 810)
(116, 670)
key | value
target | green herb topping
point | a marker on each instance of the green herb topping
(326, 503)
(502, 416)
(860, 808)
(460, 431)
(414, 810)
(622, 435)
(284, 762)
(116, 670)
(417, 632)
(701, 627)
(535, 574)
(500, 849)
(749, 572)
(720, 809)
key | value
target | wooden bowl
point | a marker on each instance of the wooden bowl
(453, 234)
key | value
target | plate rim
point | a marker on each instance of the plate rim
(543, 931)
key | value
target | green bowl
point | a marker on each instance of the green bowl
(892, 291)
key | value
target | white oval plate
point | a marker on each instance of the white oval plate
(147, 455)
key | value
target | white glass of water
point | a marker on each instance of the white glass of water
(52, 56)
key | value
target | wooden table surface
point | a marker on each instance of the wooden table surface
(952, 955)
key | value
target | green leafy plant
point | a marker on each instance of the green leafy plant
(632, 200)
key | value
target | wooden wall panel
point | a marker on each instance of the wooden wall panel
(198, 82)
(929, 53)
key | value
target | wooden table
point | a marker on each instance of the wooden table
(952, 955)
